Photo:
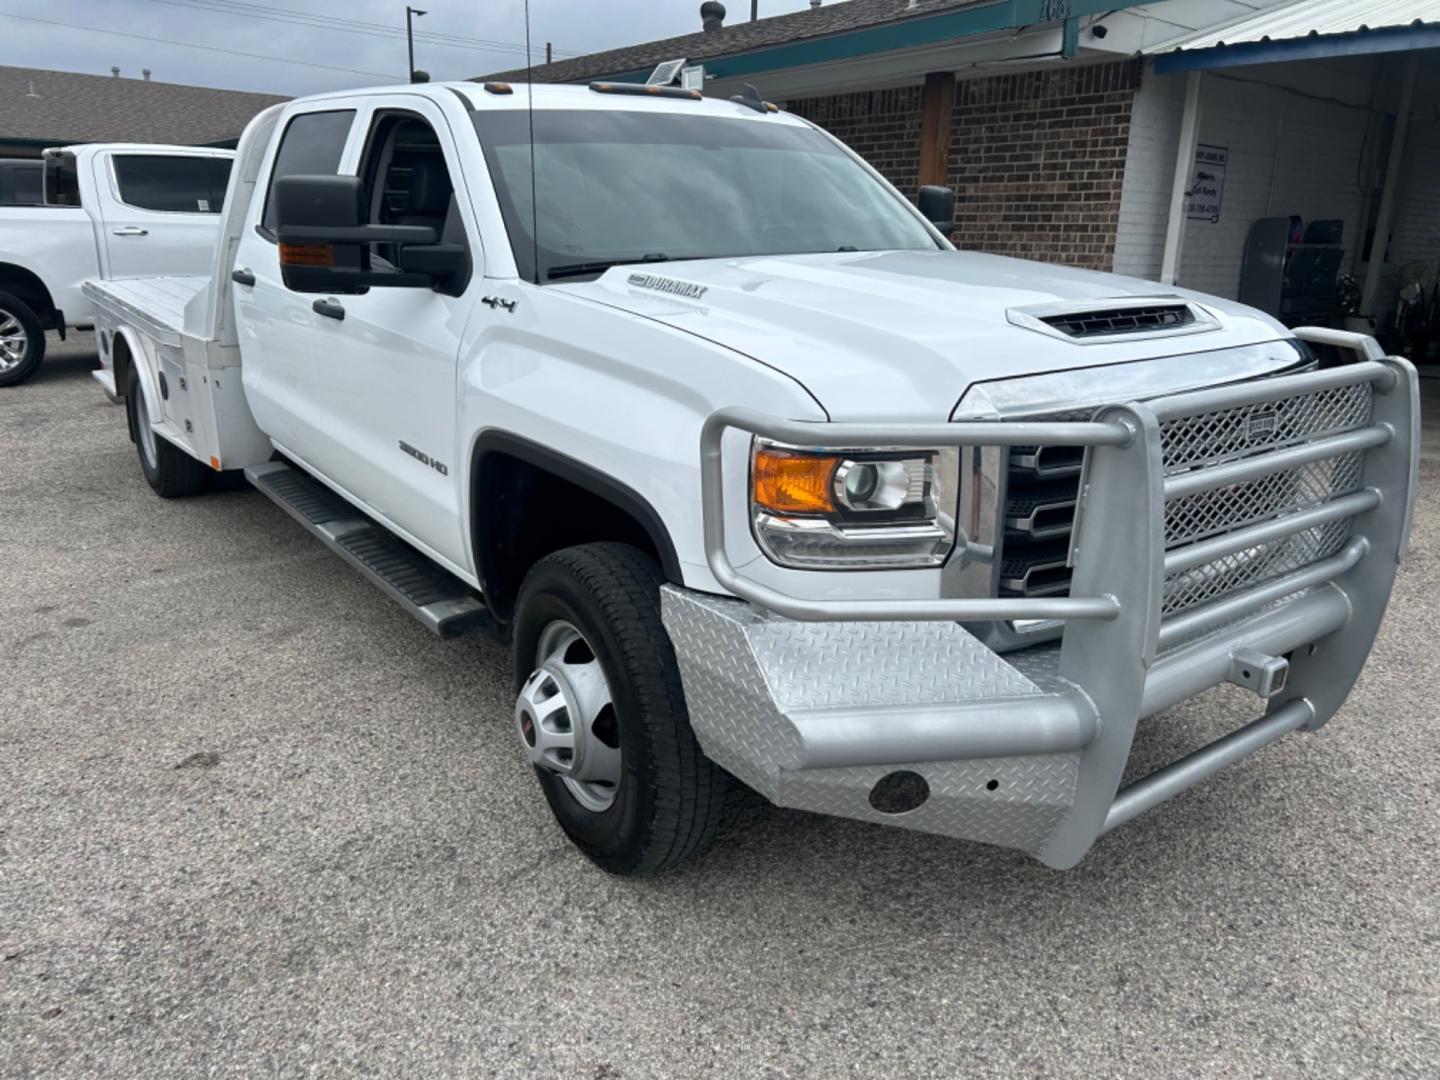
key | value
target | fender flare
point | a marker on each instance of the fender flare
(49, 313)
(602, 485)
(138, 359)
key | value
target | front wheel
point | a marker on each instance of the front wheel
(22, 340)
(168, 470)
(601, 713)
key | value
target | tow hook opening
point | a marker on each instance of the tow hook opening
(899, 792)
(1259, 672)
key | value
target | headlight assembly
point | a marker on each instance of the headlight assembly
(853, 509)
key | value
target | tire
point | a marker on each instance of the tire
(669, 799)
(22, 340)
(170, 471)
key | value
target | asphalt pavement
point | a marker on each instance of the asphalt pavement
(254, 821)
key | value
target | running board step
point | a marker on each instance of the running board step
(444, 605)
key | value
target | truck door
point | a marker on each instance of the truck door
(384, 423)
(276, 327)
(158, 213)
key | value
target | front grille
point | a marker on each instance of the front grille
(1106, 322)
(1033, 562)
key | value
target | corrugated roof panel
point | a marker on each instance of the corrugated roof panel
(1305, 18)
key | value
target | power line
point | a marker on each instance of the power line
(387, 76)
(349, 26)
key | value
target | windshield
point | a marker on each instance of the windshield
(624, 187)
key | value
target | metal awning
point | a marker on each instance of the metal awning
(1305, 30)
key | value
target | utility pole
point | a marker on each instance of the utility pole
(754, 10)
(410, 38)
(549, 54)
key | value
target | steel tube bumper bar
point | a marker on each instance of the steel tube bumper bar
(1185, 672)
(1253, 393)
(993, 728)
(1238, 472)
(1200, 619)
(1193, 555)
(1206, 762)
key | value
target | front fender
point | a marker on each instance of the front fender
(618, 397)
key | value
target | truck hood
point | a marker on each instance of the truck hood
(900, 334)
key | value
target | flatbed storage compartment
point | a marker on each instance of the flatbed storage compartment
(189, 371)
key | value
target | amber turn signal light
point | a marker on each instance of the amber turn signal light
(790, 482)
(307, 255)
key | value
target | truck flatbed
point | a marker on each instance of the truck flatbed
(155, 304)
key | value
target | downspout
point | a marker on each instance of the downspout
(1179, 184)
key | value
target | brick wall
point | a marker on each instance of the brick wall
(882, 126)
(1037, 160)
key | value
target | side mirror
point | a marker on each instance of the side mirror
(938, 205)
(324, 243)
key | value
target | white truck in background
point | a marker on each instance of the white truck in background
(110, 210)
(770, 483)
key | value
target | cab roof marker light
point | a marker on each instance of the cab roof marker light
(499, 88)
(639, 90)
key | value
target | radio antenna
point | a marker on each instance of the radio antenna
(530, 109)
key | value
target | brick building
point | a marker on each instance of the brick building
(1036, 157)
(1151, 139)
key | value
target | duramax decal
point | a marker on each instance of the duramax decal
(424, 458)
(687, 289)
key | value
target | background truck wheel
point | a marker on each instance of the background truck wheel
(602, 716)
(167, 468)
(22, 340)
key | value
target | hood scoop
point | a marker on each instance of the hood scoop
(1130, 319)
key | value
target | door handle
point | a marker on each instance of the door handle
(242, 277)
(130, 230)
(331, 309)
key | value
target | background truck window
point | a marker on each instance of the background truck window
(179, 185)
(21, 183)
(311, 146)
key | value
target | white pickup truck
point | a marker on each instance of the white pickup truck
(110, 210)
(769, 483)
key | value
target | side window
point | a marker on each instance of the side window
(311, 146)
(408, 182)
(20, 184)
(176, 185)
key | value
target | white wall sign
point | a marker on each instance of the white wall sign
(1207, 183)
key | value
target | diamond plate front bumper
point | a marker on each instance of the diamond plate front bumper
(813, 703)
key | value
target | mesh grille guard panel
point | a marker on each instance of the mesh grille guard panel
(1202, 441)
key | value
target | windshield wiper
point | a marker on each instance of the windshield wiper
(579, 269)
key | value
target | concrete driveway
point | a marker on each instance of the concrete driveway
(255, 821)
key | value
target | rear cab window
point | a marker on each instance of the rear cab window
(311, 145)
(62, 180)
(172, 184)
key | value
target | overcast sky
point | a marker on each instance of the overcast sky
(365, 37)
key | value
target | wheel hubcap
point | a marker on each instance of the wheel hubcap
(566, 717)
(146, 433)
(13, 342)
